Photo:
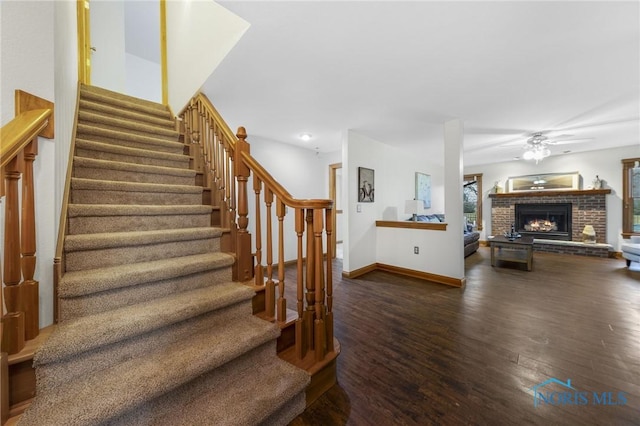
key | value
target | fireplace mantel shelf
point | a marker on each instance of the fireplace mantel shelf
(550, 193)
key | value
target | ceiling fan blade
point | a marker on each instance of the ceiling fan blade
(569, 141)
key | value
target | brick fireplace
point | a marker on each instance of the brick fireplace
(588, 207)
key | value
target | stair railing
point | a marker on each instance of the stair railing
(227, 165)
(19, 148)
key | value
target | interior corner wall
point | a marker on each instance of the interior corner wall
(143, 78)
(394, 184)
(199, 36)
(28, 63)
(605, 163)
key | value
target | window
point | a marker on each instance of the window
(472, 199)
(631, 197)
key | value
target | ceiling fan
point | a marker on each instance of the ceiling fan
(537, 146)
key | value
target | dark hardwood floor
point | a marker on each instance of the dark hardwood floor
(417, 353)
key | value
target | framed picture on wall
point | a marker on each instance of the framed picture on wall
(545, 182)
(366, 187)
(423, 189)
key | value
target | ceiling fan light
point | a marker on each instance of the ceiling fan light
(546, 152)
(528, 155)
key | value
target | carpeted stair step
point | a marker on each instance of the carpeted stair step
(114, 111)
(90, 251)
(95, 331)
(107, 97)
(114, 391)
(122, 124)
(89, 304)
(92, 191)
(128, 139)
(106, 151)
(81, 283)
(53, 374)
(96, 218)
(215, 399)
(90, 168)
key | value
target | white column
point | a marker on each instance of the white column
(453, 172)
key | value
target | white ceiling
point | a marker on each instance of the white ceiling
(395, 71)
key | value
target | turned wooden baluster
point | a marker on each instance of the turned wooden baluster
(244, 259)
(310, 294)
(282, 302)
(258, 272)
(301, 342)
(13, 337)
(329, 315)
(30, 302)
(269, 291)
(224, 208)
(319, 325)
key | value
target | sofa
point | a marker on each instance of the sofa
(471, 237)
(631, 252)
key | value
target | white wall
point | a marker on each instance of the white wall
(302, 172)
(604, 163)
(394, 184)
(28, 63)
(108, 37)
(193, 55)
(143, 78)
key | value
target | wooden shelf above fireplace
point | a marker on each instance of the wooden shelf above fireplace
(550, 193)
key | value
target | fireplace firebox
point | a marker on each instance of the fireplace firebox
(551, 221)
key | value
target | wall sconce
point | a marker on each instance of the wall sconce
(589, 234)
(414, 207)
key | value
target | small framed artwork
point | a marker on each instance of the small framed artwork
(423, 189)
(366, 186)
(545, 182)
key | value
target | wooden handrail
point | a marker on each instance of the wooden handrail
(255, 166)
(227, 166)
(16, 134)
(279, 190)
(18, 151)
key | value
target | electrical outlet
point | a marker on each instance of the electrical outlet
(416, 250)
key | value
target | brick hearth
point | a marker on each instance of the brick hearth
(588, 208)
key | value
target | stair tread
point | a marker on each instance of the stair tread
(123, 124)
(125, 101)
(140, 168)
(92, 130)
(90, 105)
(127, 150)
(77, 210)
(93, 331)
(116, 390)
(276, 384)
(114, 185)
(79, 283)
(136, 238)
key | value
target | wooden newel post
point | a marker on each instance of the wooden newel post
(13, 321)
(30, 291)
(244, 262)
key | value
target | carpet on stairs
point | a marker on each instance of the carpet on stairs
(152, 329)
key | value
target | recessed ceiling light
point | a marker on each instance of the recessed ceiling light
(305, 137)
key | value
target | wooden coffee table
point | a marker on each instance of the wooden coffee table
(519, 250)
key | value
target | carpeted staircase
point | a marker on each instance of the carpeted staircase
(153, 330)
